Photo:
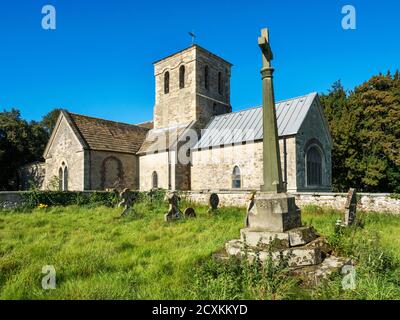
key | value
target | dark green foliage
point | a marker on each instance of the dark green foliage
(365, 127)
(33, 199)
(49, 121)
(20, 143)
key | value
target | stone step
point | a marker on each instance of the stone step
(292, 238)
(297, 256)
(312, 275)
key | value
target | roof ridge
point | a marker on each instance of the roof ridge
(257, 107)
(106, 120)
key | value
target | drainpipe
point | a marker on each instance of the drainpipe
(285, 163)
(169, 169)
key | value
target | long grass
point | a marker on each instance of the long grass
(98, 255)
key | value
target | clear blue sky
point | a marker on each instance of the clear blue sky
(99, 59)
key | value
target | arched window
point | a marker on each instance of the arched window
(236, 178)
(206, 77)
(181, 77)
(166, 82)
(65, 179)
(314, 167)
(154, 179)
(60, 179)
(220, 85)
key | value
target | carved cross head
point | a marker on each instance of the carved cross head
(263, 42)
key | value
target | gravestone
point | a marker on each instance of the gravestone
(350, 208)
(173, 211)
(189, 213)
(250, 206)
(213, 202)
(126, 198)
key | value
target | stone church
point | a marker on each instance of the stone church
(195, 141)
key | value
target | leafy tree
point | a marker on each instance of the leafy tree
(365, 126)
(20, 143)
(49, 120)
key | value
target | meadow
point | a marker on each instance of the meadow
(99, 255)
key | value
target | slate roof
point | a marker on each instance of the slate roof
(246, 125)
(105, 135)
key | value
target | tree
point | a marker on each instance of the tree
(20, 143)
(365, 127)
(49, 120)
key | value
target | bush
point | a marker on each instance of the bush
(35, 198)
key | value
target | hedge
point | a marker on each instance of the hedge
(33, 199)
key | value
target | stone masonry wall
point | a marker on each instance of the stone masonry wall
(194, 101)
(210, 101)
(368, 202)
(213, 168)
(104, 170)
(65, 148)
(313, 132)
(149, 163)
(178, 105)
(32, 174)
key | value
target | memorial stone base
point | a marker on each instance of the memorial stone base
(274, 231)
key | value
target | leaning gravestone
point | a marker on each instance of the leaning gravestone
(213, 202)
(250, 206)
(350, 208)
(189, 213)
(126, 198)
(173, 210)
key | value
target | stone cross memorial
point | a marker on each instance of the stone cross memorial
(273, 209)
(273, 219)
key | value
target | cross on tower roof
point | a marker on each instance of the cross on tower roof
(193, 35)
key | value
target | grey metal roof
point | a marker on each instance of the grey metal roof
(246, 125)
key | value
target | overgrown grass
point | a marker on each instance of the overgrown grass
(98, 255)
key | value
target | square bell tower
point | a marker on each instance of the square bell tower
(191, 85)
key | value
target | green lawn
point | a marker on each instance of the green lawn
(100, 256)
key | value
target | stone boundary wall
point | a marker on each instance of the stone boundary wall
(378, 202)
(10, 199)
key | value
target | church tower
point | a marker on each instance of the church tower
(191, 85)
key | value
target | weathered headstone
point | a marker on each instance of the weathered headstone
(126, 198)
(189, 213)
(213, 202)
(250, 206)
(173, 211)
(350, 208)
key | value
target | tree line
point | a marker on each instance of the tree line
(364, 123)
(21, 142)
(365, 127)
